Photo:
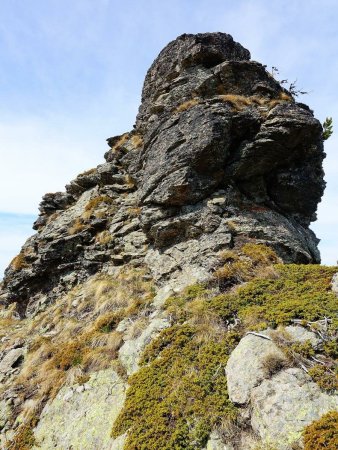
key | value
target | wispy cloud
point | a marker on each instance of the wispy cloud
(72, 72)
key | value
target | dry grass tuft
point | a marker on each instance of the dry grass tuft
(19, 262)
(134, 211)
(103, 238)
(239, 102)
(123, 139)
(187, 105)
(273, 363)
(253, 260)
(77, 226)
(88, 172)
(136, 140)
(96, 201)
(285, 96)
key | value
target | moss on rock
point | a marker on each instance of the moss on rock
(179, 394)
(322, 433)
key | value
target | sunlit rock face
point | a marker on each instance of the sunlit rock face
(220, 154)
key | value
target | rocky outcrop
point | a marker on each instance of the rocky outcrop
(280, 400)
(221, 154)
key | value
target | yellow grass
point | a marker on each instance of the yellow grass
(76, 226)
(83, 339)
(187, 105)
(136, 141)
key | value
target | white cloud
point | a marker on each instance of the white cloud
(71, 76)
(39, 156)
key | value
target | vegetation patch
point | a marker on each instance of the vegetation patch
(327, 379)
(296, 292)
(323, 433)
(73, 338)
(239, 102)
(19, 262)
(179, 395)
(187, 105)
(96, 201)
(136, 141)
(77, 226)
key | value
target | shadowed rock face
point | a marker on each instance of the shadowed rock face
(221, 154)
(211, 118)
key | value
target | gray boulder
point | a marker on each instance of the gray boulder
(245, 368)
(278, 404)
(285, 404)
(81, 417)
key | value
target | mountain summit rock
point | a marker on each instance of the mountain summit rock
(221, 154)
(138, 269)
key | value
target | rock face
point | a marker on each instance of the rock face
(80, 417)
(280, 405)
(285, 404)
(221, 155)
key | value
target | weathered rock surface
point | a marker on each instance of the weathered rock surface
(279, 405)
(245, 368)
(81, 417)
(335, 284)
(220, 155)
(215, 443)
(131, 350)
(285, 404)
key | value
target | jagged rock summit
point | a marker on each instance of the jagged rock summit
(155, 307)
(221, 154)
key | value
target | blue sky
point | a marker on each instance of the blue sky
(71, 75)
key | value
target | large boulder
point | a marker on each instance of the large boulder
(285, 404)
(277, 400)
(81, 416)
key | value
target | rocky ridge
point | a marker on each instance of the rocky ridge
(221, 154)
(221, 158)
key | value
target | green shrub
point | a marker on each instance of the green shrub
(327, 128)
(179, 394)
(327, 380)
(300, 292)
